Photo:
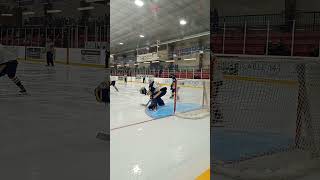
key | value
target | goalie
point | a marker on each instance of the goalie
(155, 94)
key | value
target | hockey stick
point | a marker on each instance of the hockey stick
(103, 135)
(146, 104)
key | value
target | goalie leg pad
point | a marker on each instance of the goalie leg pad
(153, 105)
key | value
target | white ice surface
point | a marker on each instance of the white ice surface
(163, 149)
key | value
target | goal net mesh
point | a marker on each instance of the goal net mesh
(192, 98)
(265, 118)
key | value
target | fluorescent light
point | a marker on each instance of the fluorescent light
(183, 22)
(111, 66)
(6, 14)
(89, 1)
(146, 62)
(170, 61)
(139, 3)
(121, 43)
(142, 36)
(191, 59)
(28, 13)
(136, 64)
(155, 61)
(53, 11)
(119, 65)
(85, 8)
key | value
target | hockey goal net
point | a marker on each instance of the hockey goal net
(192, 98)
(270, 125)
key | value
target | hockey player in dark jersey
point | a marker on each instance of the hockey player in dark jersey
(173, 86)
(8, 66)
(102, 92)
(125, 78)
(144, 79)
(113, 83)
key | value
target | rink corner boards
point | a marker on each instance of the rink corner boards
(204, 176)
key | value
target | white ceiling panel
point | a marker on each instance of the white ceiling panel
(156, 20)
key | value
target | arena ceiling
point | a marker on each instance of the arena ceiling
(156, 20)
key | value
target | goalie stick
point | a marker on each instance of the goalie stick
(146, 104)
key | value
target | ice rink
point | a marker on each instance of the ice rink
(51, 133)
(159, 149)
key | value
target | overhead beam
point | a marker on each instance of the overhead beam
(170, 41)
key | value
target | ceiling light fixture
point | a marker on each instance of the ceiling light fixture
(191, 59)
(142, 36)
(85, 8)
(53, 11)
(28, 13)
(183, 22)
(6, 14)
(121, 43)
(139, 3)
(90, 1)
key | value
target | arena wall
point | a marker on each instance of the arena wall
(252, 7)
(68, 9)
(248, 7)
(311, 5)
(83, 57)
(191, 83)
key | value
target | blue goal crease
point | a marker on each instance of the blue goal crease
(168, 109)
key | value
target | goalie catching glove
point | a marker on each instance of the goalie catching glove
(143, 91)
(102, 93)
